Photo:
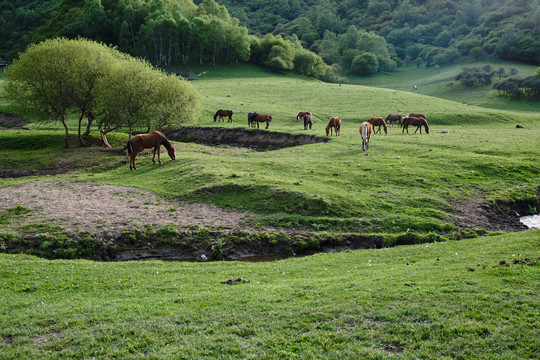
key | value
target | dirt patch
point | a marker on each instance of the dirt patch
(498, 216)
(12, 121)
(259, 140)
(105, 211)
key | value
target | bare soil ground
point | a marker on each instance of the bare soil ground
(106, 210)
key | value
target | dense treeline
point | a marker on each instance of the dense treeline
(430, 32)
(162, 31)
(354, 36)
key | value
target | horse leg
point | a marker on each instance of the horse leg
(267, 125)
(158, 150)
(132, 160)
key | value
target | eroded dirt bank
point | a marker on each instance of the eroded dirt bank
(256, 139)
(62, 218)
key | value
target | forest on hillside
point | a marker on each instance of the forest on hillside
(305, 36)
(163, 31)
(433, 32)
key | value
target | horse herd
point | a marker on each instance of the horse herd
(155, 139)
(334, 124)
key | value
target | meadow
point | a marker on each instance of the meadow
(460, 296)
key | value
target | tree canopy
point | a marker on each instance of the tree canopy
(58, 77)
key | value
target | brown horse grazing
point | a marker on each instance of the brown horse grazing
(146, 141)
(223, 113)
(301, 115)
(307, 121)
(365, 132)
(418, 122)
(390, 118)
(257, 118)
(377, 121)
(417, 115)
(334, 122)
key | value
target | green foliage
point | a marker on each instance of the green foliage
(364, 64)
(528, 87)
(58, 76)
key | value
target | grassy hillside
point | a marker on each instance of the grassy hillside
(456, 300)
(404, 183)
(447, 299)
(440, 83)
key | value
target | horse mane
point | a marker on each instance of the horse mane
(426, 125)
(166, 143)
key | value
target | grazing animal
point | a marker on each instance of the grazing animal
(377, 121)
(335, 123)
(301, 115)
(417, 115)
(257, 118)
(223, 113)
(418, 122)
(146, 141)
(390, 118)
(365, 132)
(307, 121)
(251, 117)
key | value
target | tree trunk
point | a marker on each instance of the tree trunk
(89, 121)
(104, 139)
(81, 141)
(65, 129)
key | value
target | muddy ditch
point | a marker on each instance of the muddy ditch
(256, 139)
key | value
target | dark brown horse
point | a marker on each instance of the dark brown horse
(390, 118)
(223, 113)
(301, 115)
(365, 132)
(307, 121)
(257, 118)
(418, 122)
(417, 115)
(334, 122)
(146, 141)
(377, 121)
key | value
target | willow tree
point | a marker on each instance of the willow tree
(135, 93)
(54, 78)
(175, 102)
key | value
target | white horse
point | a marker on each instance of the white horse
(365, 131)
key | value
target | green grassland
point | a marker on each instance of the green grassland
(440, 83)
(403, 183)
(449, 299)
(475, 298)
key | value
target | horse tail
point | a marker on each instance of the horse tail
(129, 147)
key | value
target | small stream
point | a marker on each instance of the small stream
(531, 221)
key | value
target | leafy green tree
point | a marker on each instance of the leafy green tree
(365, 64)
(123, 96)
(537, 73)
(56, 77)
(308, 63)
(175, 102)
